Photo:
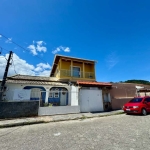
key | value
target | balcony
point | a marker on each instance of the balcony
(76, 74)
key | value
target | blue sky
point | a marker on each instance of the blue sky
(113, 32)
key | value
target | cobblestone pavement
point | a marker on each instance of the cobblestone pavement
(120, 132)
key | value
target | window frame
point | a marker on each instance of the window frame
(51, 95)
(79, 71)
(56, 91)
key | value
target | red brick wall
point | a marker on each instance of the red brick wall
(118, 103)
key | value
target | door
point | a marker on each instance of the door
(63, 97)
(76, 72)
(35, 94)
(148, 104)
(91, 100)
(84, 101)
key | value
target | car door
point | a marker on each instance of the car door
(147, 104)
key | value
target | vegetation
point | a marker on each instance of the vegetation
(138, 81)
(134, 81)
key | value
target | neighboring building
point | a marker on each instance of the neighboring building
(46, 89)
(123, 92)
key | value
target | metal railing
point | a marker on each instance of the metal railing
(76, 74)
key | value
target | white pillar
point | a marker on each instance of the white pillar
(74, 96)
(47, 95)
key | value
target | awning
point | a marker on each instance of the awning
(95, 84)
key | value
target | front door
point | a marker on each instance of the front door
(63, 97)
(76, 72)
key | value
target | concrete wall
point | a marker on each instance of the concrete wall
(18, 109)
(118, 103)
(55, 110)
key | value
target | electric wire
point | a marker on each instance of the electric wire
(21, 46)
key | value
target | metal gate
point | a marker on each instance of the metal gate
(91, 100)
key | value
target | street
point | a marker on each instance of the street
(118, 132)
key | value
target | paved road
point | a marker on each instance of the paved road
(120, 132)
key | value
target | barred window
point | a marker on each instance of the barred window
(56, 93)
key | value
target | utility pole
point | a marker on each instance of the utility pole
(5, 76)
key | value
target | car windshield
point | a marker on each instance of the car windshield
(136, 100)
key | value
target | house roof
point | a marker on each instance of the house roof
(38, 80)
(57, 57)
(28, 77)
(86, 83)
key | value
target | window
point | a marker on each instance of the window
(56, 93)
(51, 94)
(136, 100)
(147, 100)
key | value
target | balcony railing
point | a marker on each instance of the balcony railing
(76, 74)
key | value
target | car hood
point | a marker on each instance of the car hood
(132, 104)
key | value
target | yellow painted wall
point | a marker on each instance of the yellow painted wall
(89, 68)
(65, 65)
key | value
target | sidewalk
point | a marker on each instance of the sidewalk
(55, 118)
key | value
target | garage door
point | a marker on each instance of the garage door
(90, 100)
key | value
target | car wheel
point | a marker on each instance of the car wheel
(144, 112)
(127, 114)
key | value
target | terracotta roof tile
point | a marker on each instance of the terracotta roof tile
(28, 77)
(36, 82)
(94, 83)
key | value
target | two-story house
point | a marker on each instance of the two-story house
(71, 87)
(90, 94)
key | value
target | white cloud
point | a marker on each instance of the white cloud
(40, 43)
(9, 40)
(32, 49)
(112, 60)
(41, 48)
(36, 47)
(0, 36)
(61, 48)
(67, 49)
(24, 68)
(42, 67)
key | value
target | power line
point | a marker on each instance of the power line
(21, 46)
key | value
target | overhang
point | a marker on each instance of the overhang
(95, 84)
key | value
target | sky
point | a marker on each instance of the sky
(114, 33)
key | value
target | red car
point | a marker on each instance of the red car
(138, 105)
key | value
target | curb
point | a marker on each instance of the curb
(53, 119)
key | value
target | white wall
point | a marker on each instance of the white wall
(74, 96)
